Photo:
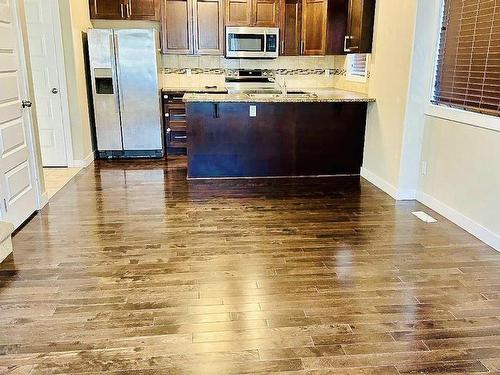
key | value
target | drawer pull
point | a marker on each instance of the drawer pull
(180, 137)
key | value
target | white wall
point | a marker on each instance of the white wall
(75, 19)
(462, 178)
(389, 84)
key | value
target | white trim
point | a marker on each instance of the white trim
(386, 187)
(353, 77)
(63, 85)
(437, 40)
(477, 230)
(35, 161)
(379, 182)
(5, 248)
(84, 163)
(44, 199)
(475, 119)
(449, 113)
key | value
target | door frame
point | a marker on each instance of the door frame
(63, 85)
(27, 93)
(61, 76)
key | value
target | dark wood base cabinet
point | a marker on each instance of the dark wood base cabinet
(174, 121)
(284, 139)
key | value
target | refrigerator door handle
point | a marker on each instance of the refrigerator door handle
(114, 75)
(117, 58)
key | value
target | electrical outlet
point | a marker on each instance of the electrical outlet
(327, 72)
(424, 168)
(188, 71)
(253, 111)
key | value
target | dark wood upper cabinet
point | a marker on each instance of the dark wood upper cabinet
(326, 27)
(359, 31)
(192, 27)
(107, 9)
(125, 9)
(291, 27)
(144, 9)
(208, 30)
(177, 26)
(314, 19)
(238, 13)
(266, 13)
(263, 13)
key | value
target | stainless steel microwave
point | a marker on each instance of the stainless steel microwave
(252, 42)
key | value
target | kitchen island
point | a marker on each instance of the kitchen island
(302, 133)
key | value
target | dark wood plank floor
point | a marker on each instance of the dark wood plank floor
(133, 270)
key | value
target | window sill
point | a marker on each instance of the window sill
(478, 120)
(356, 79)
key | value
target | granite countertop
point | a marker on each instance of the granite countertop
(321, 95)
(196, 89)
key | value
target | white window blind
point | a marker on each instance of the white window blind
(357, 67)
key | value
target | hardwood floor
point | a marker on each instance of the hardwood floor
(133, 270)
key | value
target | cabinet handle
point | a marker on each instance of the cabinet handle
(180, 137)
(282, 47)
(347, 38)
(302, 47)
(121, 10)
(130, 8)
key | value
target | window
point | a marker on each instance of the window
(468, 61)
(357, 67)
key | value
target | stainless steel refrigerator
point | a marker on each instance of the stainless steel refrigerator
(125, 92)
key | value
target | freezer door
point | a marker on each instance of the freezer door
(136, 58)
(105, 89)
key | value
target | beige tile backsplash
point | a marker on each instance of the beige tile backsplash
(283, 62)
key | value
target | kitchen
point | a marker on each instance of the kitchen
(262, 187)
(256, 58)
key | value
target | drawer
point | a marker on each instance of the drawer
(173, 97)
(178, 137)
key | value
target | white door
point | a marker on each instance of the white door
(17, 181)
(42, 44)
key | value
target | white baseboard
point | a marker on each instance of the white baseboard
(477, 230)
(398, 194)
(82, 163)
(44, 199)
(451, 214)
(5, 248)
(379, 182)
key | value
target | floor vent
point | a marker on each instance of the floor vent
(424, 217)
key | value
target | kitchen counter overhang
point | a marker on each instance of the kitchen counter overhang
(293, 96)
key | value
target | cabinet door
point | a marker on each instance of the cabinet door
(238, 12)
(107, 9)
(266, 13)
(177, 27)
(208, 16)
(360, 21)
(314, 20)
(291, 21)
(143, 9)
